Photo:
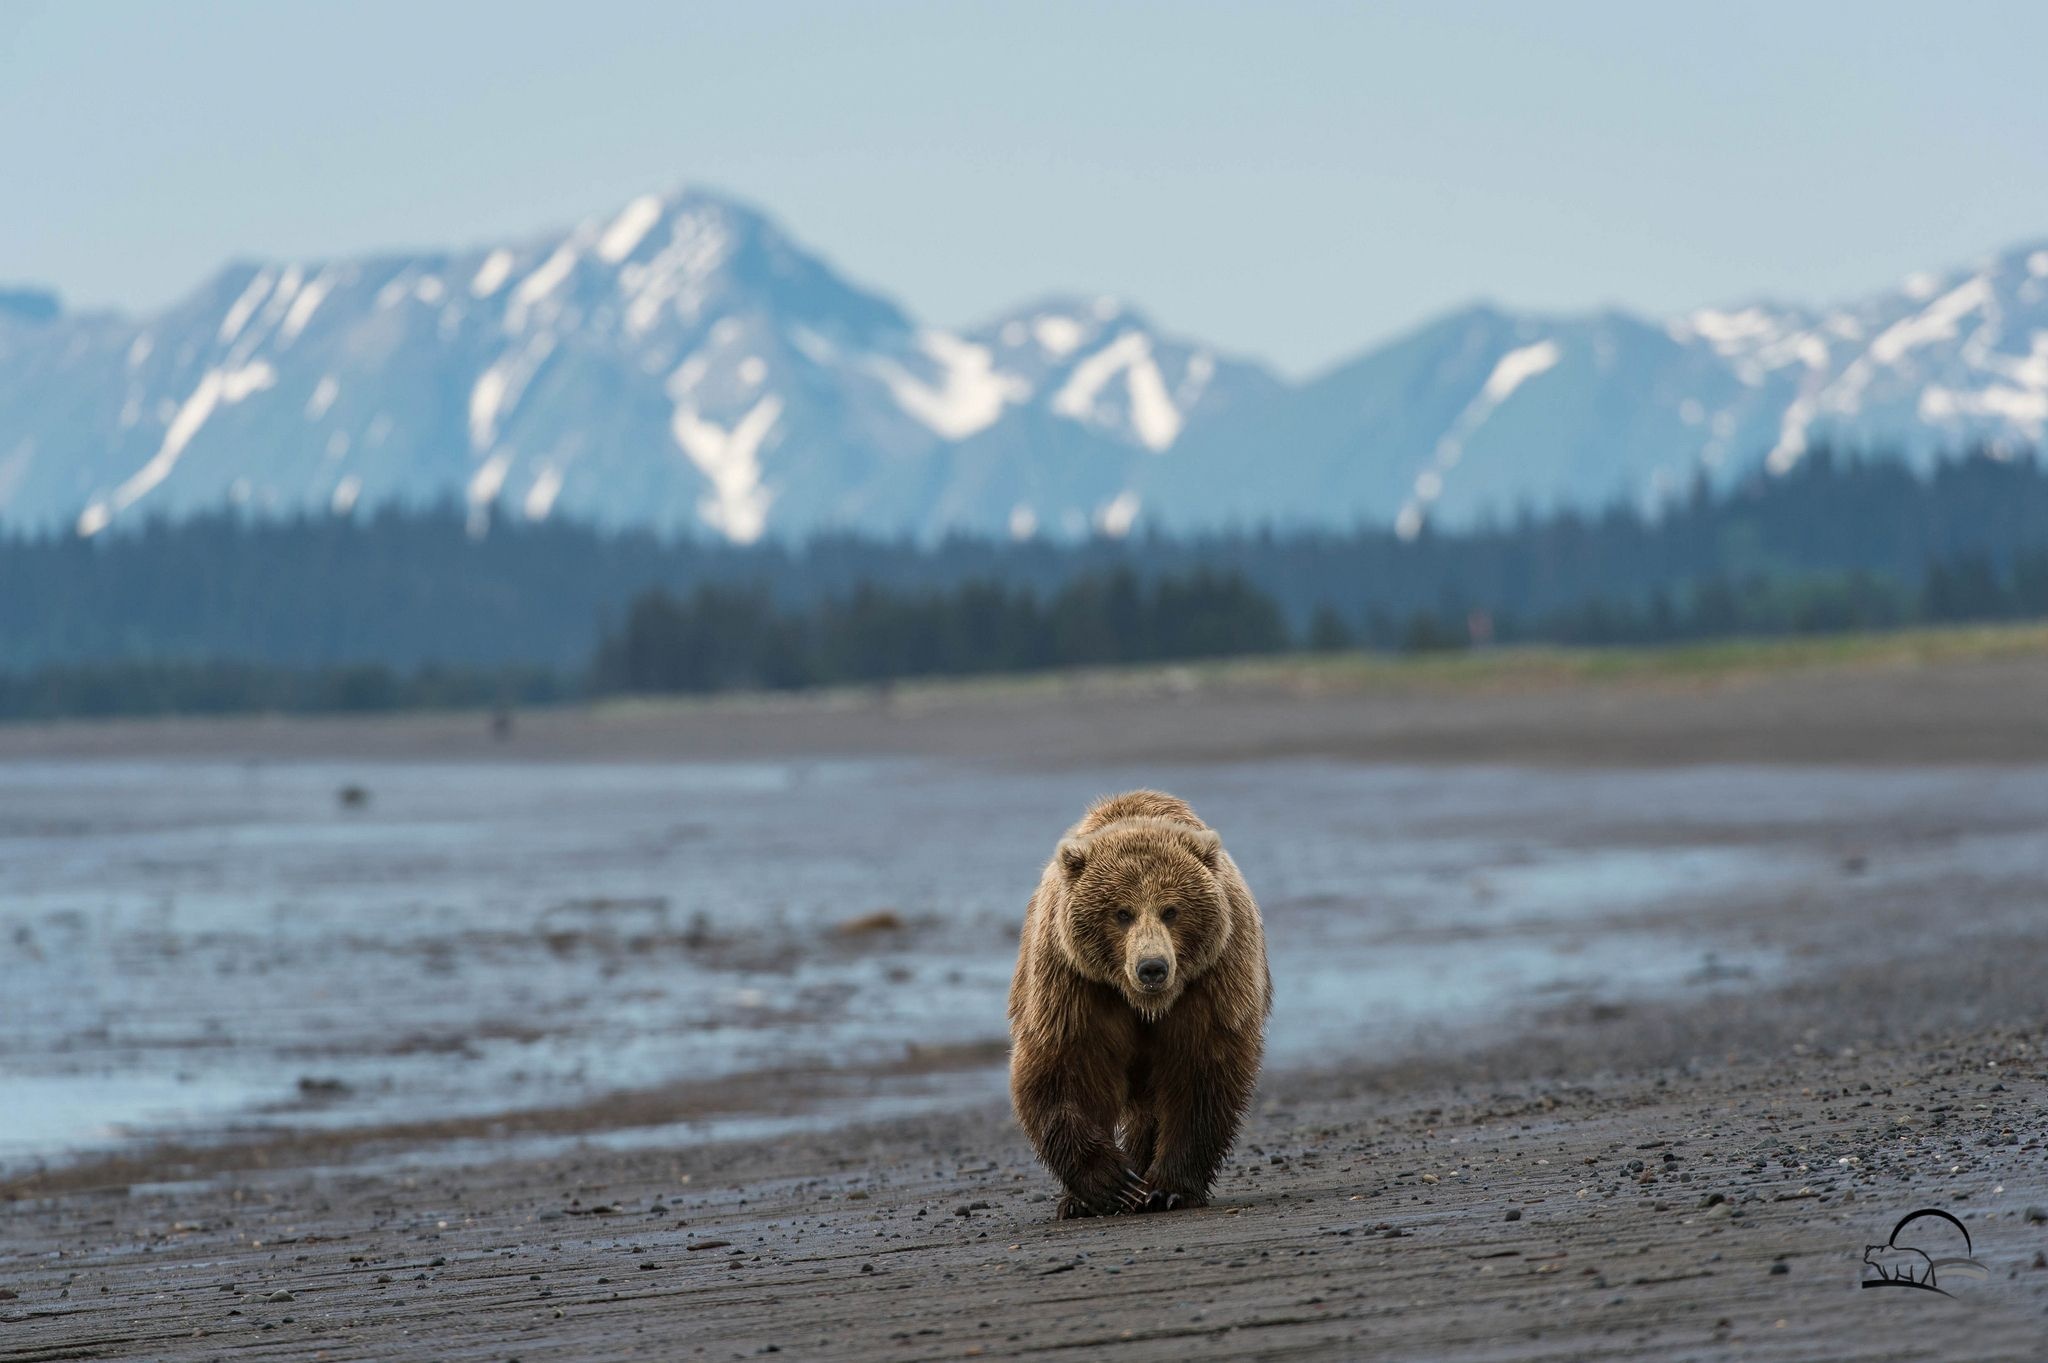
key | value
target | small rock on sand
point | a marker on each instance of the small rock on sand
(881, 920)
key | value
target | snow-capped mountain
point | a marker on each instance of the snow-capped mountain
(684, 364)
(1486, 412)
(681, 364)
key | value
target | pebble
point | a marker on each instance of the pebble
(1514, 1214)
(280, 1295)
(2037, 1214)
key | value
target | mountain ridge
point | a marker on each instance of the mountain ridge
(685, 364)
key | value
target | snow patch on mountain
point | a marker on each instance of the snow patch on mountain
(346, 491)
(969, 394)
(1509, 373)
(1153, 418)
(1110, 370)
(324, 394)
(1937, 323)
(1058, 335)
(629, 229)
(673, 282)
(1118, 515)
(488, 480)
(492, 274)
(530, 293)
(218, 387)
(540, 496)
(244, 307)
(302, 308)
(737, 505)
(1515, 368)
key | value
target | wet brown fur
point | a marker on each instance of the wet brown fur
(1131, 1096)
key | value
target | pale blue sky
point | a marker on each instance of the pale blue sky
(1293, 180)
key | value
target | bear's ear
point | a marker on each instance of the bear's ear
(1207, 845)
(1073, 855)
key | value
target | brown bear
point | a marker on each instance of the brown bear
(1138, 1010)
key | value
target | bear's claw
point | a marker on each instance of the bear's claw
(1135, 1195)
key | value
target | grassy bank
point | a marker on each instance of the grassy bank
(1530, 667)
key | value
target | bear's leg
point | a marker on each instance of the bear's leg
(1199, 1099)
(1140, 1137)
(1082, 1153)
(1138, 1127)
(1068, 1105)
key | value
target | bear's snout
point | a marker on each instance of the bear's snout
(1149, 965)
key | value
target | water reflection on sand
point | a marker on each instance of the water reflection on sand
(190, 946)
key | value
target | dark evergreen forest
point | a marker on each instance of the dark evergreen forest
(402, 608)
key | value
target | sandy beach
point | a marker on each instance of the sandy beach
(1776, 955)
(1597, 1205)
(1936, 696)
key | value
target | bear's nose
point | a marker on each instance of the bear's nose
(1153, 970)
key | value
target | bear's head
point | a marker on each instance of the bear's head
(1144, 910)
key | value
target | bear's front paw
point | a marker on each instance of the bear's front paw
(1132, 1194)
(1166, 1197)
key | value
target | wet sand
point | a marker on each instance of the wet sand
(1494, 1210)
(1480, 1198)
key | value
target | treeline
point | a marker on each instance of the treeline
(1969, 589)
(406, 589)
(102, 690)
(720, 638)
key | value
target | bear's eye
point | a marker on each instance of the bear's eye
(1124, 917)
(1169, 915)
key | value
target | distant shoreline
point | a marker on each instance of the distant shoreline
(1966, 695)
